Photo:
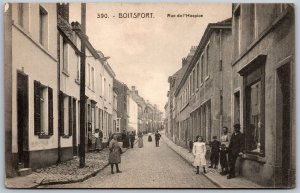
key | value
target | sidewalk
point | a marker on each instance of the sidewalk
(65, 172)
(212, 174)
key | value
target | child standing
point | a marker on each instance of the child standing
(223, 159)
(214, 157)
(199, 150)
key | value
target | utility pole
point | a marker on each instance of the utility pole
(82, 89)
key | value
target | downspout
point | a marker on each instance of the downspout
(221, 82)
(58, 89)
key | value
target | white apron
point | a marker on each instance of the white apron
(199, 150)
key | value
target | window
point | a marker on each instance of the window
(65, 57)
(194, 81)
(253, 75)
(104, 85)
(78, 68)
(197, 74)
(66, 115)
(207, 61)
(43, 109)
(89, 75)
(43, 26)
(202, 68)
(109, 93)
(100, 85)
(92, 79)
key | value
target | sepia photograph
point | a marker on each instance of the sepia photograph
(149, 95)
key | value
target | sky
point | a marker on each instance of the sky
(144, 52)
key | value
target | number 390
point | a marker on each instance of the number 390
(102, 15)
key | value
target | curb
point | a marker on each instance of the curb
(94, 173)
(208, 177)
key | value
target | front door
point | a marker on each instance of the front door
(22, 118)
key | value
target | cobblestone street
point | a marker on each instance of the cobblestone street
(147, 167)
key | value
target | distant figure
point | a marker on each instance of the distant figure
(214, 157)
(149, 137)
(199, 151)
(157, 138)
(191, 142)
(124, 138)
(223, 159)
(101, 138)
(97, 140)
(115, 154)
(236, 147)
(140, 143)
(132, 138)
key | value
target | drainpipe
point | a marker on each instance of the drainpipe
(221, 81)
(58, 89)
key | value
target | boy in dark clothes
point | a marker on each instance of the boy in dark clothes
(214, 157)
(223, 159)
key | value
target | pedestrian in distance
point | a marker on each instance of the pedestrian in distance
(214, 157)
(199, 151)
(149, 137)
(114, 157)
(140, 142)
(97, 140)
(236, 147)
(132, 139)
(223, 159)
(191, 143)
(157, 138)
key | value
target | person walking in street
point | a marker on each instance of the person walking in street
(115, 154)
(223, 159)
(236, 147)
(132, 139)
(157, 138)
(140, 142)
(214, 157)
(199, 151)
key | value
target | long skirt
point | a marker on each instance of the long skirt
(150, 138)
(200, 160)
(98, 145)
(140, 144)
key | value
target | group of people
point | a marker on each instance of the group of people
(128, 139)
(219, 152)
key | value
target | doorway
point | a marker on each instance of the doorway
(283, 96)
(22, 118)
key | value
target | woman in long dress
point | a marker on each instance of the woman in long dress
(140, 143)
(97, 140)
(114, 157)
(199, 150)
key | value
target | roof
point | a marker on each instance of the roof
(225, 24)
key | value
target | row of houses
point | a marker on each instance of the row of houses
(242, 71)
(42, 88)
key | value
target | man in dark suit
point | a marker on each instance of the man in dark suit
(157, 138)
(236, 148)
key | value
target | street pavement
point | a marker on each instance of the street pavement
(147, 167)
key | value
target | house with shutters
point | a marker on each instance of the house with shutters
(31, 86)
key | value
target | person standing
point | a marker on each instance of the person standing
(114, 157)
(223, 159)
(140, 143)
(199, 151)
(132, 139)
(214, 157)
(97, 140)
(101, 139)
(236, 147)
(124, 138)
(157, 138)
(149, 137)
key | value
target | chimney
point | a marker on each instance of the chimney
(63, 10)
(133, 88)
(184, 61)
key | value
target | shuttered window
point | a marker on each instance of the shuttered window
(50, 111)
(70, 116)
(61, 113)
(37, 108)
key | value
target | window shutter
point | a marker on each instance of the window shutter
(37, 108)
(50, 111)
(70, 116)
(61, 113)
(74, 115)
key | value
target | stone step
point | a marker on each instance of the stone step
(24, 171)
(20, 165)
